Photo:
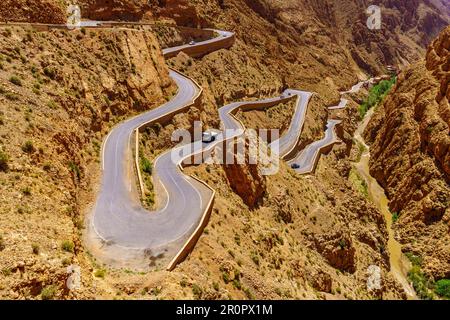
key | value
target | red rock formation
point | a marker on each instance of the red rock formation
(410, 155)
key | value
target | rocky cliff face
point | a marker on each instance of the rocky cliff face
(410, 152)
(44, 11)
(127, 10)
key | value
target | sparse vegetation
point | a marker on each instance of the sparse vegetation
(28, 147)
(358, 182)
(48, 293)
(197, 291)
(73, 167)
(3, 161)
(50, 72)
(26, 191)
(147, 169)
(421, 283)
(35, 248)
(146, 165)
(15, 80)
(100, 273)
(68, 246)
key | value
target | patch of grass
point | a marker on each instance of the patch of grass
(100, 273)
(197, 291)
(248, 293)
(48, 293)
(68, 246)
(15, 80)
(226, 277)
(442, 288)
(52, 105)
(6, 272)
(358, 182)
(376, 95)
(183, 283)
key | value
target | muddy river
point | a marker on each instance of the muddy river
(398, 261)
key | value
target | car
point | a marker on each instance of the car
(209, 136)
(191, 43)
(295, 166)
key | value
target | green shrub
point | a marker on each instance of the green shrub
(146, 165)
(100, 273)
(75, 169)
(442, 288)
(48, 293)
(197, 291)
(28, 147)
(35, 248)
(415, 260)
(421, 283)
(15, 80)
(376, 95)
(3, 161)
(255, 258)
(26, 191)
(68, 246)
(50, 72)
(395, 217)
(11, 96)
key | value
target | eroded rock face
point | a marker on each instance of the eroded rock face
(183, 12)
(320, 280)
(128, 10)
(338, 249)
(410, 155)
(44, 11)
(246, 180)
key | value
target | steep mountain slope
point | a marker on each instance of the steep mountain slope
(315, 239)
(410, 137)
(60, 92)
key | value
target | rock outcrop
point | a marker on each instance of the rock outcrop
(43, 11)
(410, 155)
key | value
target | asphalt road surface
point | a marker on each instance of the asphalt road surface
(307, 158)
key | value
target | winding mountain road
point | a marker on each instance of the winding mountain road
(308, 157)
(125, 233)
